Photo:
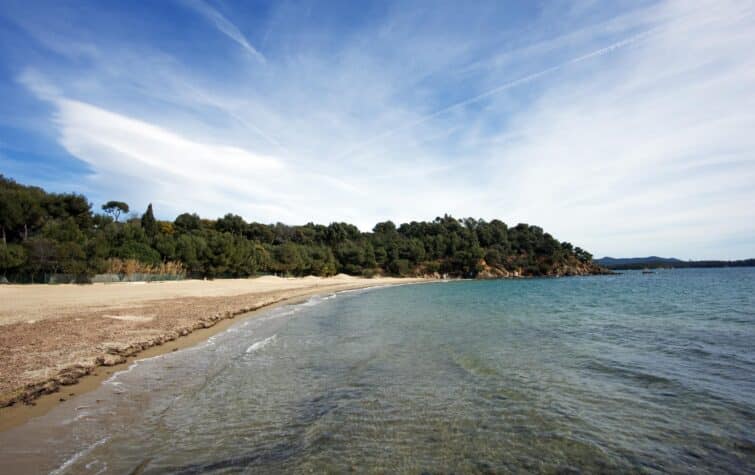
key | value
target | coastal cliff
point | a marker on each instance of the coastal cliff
(562, 269)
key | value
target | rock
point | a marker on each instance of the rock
(489, 272)
(71, 375)
(67, 380)
(32, 392)
(112, 360)
(49, 387)
(115, 348)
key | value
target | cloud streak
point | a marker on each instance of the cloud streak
(501, 88)
(224, 25)
(632, 136)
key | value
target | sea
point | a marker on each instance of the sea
(630, 373)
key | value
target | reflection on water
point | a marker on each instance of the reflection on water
(603, 374)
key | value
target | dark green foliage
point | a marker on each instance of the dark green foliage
(582, 255)
(12, 257)
(149, 223)
(287, 259)
(47, 233)
(399, 267)
(187, 222)
(140, 251)
(231, 223)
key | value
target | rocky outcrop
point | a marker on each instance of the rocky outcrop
(574, 268)
(489, 272)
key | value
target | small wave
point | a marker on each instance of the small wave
(635, 374)
(317, 299)
(356, 291)
(112, 379)
(93, 464)
(80, 414)
(67, 464)
(260, 344)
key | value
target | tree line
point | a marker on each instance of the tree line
(59, 233)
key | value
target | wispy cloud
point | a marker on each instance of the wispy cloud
(501, 88)
(654, 144)
(224, 25)
(125, 153)
(626, 132)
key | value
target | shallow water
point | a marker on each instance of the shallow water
(629, 373)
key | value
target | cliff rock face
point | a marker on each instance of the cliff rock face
(572, 268)
(489, 272)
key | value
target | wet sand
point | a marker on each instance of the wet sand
(60, 341)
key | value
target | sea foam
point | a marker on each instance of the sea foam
(260, 344)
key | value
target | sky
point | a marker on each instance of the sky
(624, 127)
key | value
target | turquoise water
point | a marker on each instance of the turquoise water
(629, 373)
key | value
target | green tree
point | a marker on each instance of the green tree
(288, 259)
(186, 222)
(115, 208)
(165, 244)
(231, 223)
(11, 213)
(399, 267)
(12, 257)
(149, 223)
(42, 256)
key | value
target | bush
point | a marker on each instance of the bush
(399, 267)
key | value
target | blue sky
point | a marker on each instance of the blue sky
(624, 127)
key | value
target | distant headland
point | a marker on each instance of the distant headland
(655, 262)
(57, 237)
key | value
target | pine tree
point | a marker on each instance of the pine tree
(149, 223)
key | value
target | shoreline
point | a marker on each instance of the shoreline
(39, 398)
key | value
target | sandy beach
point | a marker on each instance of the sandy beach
(53, 337)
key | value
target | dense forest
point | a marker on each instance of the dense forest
(52, 234)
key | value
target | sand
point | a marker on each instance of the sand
(25, 303)
(53, 337)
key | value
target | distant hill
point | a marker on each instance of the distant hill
(655, 262)
(631, 261)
